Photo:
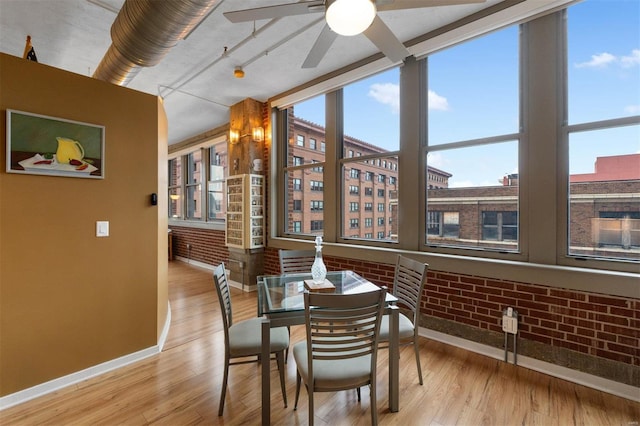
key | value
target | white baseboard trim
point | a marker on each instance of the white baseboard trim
(605, 385)
(73, 378)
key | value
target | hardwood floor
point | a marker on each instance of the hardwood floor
(181, 385)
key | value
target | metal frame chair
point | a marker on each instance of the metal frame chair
(296, 261)
(243, 339)
(340, 351)
(408, 286)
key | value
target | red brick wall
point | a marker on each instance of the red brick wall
(601, 326)
(207, 245)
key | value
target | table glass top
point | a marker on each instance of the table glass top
(284, 293)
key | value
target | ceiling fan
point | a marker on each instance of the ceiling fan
(345, 17)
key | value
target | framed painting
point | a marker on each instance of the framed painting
(37, 144)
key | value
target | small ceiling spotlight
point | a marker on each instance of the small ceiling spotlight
(238, 72)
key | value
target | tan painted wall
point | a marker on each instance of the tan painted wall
(70, 300)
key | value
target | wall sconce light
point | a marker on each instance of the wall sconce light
(234, 136)
(258, 134)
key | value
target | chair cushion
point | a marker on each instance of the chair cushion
(333, 374)
(405, 327)
(245, 338)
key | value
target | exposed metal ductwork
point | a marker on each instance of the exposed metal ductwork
(144, 32)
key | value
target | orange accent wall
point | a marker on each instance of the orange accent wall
(68, 299)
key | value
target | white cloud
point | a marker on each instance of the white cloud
(386, 94)
(632, 109)
(598, 61)
(603, 60)
(437, 102)
(435, 159)
(631, 60)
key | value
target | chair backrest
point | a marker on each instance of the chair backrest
(341, 326)
(224, 297)
(296, 261)
(409, 281)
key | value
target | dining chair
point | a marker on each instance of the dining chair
(408, 285)
(296, 261)
(340, 350)
(243, 339)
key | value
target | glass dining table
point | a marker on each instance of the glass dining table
(281, 303)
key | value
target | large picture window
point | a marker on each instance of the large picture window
(603, 130)
(474, 166)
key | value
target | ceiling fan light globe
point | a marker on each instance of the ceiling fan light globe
(350, 17)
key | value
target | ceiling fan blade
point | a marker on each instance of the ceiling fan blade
(383, 5)
(386, 41)
(320, 47)
(277, 11)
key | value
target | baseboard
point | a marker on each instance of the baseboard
(79, 376)
(609, 386)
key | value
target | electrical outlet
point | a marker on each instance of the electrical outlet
(509, 324)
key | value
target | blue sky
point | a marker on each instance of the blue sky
(476, 83)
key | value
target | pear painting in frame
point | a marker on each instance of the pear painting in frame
(37, 144)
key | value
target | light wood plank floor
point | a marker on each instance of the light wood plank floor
(181, 386)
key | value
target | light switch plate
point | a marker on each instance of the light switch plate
(102, 228)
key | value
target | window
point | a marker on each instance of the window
(354, 173)
(499, 226)
(368, 222)
(317, 225)
(196, 183)
(368, 207)
(297, 227)
(480, 161)
(381, 207)
(317, 206)
(380, 192)
(215, 186)
(368, 192)
(175, 188)
(297, 205)
(353, 223)
(300, 140)
(381, 221)
(298, 161)
(322, 146)
(368, 176)
(354, 207)
(381, 178)
(317, 185)
(443, 224)
(312, 143)
(392, 180)
(603, 131)
(354, 190)
(297, 184)
(381, 235)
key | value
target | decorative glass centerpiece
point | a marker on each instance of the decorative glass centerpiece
(318, 269)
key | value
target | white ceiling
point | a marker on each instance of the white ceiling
(195, 78)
